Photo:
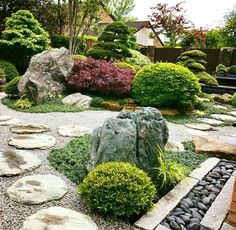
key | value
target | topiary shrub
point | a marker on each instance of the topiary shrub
(117, 189)
(9, 69)
(12, 86)
(221, 69)
(138, 59)
(232, 69)
(100, 77)
(136, 68)
(165, 84)
(233, 100)
(194, 60)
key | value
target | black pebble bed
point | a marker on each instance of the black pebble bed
(192, 208)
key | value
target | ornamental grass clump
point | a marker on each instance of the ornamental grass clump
(118, 189)
(165, 84)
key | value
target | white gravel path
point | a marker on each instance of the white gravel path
(13, 214)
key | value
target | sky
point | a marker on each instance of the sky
(203, 13)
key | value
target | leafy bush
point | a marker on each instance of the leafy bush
(232, 69)
(221, 69)
(206, 78)
(9, 69)
(136, 68)
(138, 59)
(114, 42)
(233, 100)
(165, 84)
(23, 103)
(195, 54)
(72, 160)
(78, 57)
(97, 102)
(169, 173)
(117, 189)
(23, 38)
(11, 87)
(101, 77)
(2, 77)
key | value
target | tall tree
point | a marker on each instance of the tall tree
(229, 29)
(170, 21)
(121, 8)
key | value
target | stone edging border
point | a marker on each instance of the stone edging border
(166, 204)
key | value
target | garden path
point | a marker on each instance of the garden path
(13, 214)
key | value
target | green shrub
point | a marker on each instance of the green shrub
(2, 77)
(23, 103)
(78, 57)
(97, 102)
(117, 189)
(196, 54)
(225, 55)
(138, 59)
(232, 69)
(12, 86)
(169, 173)
(195, 67)
(165, 84)
(72, 160)
(9, 69)
(207, 79)
(221, 69)
(136, 68)
(233, 100)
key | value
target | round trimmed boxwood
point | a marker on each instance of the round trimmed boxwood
(9, 69)
(117, 189)
(165, 84)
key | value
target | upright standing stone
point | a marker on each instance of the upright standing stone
(46, 76)
(132, 137)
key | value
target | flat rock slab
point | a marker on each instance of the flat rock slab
(32, 141)
(73, 131)
(14, 162)
(202, 127)
(77, 99)
(215, 145)
(210, 121)
(219, 107)
(176, 146)
(2, 95)
(232, 113)
(8, 120)
(29, 128)
(195, 132)
(59, 218)
(223, 117)
(37, 189)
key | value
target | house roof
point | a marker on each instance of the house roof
(138, 25)
(105, 8)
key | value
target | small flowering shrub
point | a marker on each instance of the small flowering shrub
(101, 77)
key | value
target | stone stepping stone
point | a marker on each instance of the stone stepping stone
(32, 141)
(37, 189)
(2, 95)
(215, 145)
(203, 99)
(219, 107)
(175, 146)
(8, 120)
(195, 132)
(77, 99)
(59, 218)
(223, 117)
(14, 162)
(73, 131)
(210, 121)
(29, 128)
(199, 126)
(232, 113)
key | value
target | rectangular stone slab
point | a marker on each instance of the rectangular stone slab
(163, 207)
(216, 214)
(204, 168)
(161, 227)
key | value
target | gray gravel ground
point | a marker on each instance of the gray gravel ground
(13, 214)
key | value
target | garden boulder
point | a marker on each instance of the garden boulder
(130, 137)
(46, 76)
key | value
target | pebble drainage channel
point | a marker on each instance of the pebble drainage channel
(192, 208)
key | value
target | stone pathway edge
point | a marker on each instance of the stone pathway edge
(166, 204)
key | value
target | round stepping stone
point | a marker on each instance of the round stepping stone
(29, 128)
(223, 117)
(59, 218)
(32, 141)
(37, 189)
(194, 132)
(14, 162)
(202, 127)
(210, 121)
(7, 120)
(73, 131)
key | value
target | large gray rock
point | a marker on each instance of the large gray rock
(77, 99)
(46, 76)
(131, 137)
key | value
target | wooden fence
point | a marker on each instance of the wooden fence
(171, 55)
